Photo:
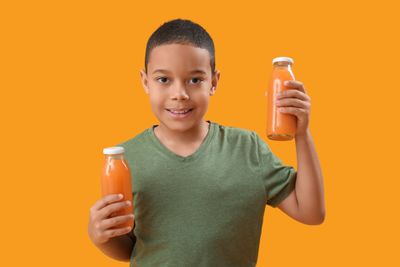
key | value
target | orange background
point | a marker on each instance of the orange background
(70, 86)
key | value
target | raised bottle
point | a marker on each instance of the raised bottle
(280, 126)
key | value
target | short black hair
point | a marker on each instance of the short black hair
(181, 31)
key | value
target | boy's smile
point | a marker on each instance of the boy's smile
(179, 82)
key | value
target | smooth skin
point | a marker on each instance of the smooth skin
(180, 77)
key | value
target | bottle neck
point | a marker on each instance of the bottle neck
(283, 64)
(114, 156)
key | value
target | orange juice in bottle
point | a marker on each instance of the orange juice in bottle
(116, 179)
(280, 126)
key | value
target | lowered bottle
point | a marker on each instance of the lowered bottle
(116, 179)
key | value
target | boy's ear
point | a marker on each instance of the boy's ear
(214, 82)
(143, 77)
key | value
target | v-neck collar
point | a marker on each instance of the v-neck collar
(171, 154)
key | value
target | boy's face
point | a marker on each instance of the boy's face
(179, 79)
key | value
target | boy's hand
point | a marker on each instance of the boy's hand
(101, 219)
(295, 102)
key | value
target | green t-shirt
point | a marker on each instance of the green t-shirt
(205, 209)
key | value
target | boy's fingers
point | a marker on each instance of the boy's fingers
(117, 232)
(293, 93)
(295, 84)
(108, 223)
(111, 208)
(106, 200)
(292, 102)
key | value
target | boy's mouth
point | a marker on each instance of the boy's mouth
(179, 113)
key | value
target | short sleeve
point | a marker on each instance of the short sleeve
(278, 179)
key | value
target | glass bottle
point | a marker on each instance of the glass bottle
(116, 179)
(280, 126)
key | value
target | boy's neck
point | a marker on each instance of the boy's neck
(193, 135)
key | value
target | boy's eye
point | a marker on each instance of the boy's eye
(196, 80)
(162, 79)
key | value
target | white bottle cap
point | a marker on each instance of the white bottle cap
(113, 150)
(280, 59)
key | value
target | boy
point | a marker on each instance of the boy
(200, 188)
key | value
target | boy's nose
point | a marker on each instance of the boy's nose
(179, 92)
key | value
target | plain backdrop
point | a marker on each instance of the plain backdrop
(70, 86)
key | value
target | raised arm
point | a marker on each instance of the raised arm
(306, 202)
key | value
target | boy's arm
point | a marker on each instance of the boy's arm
(306, 202)
(118, 248)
